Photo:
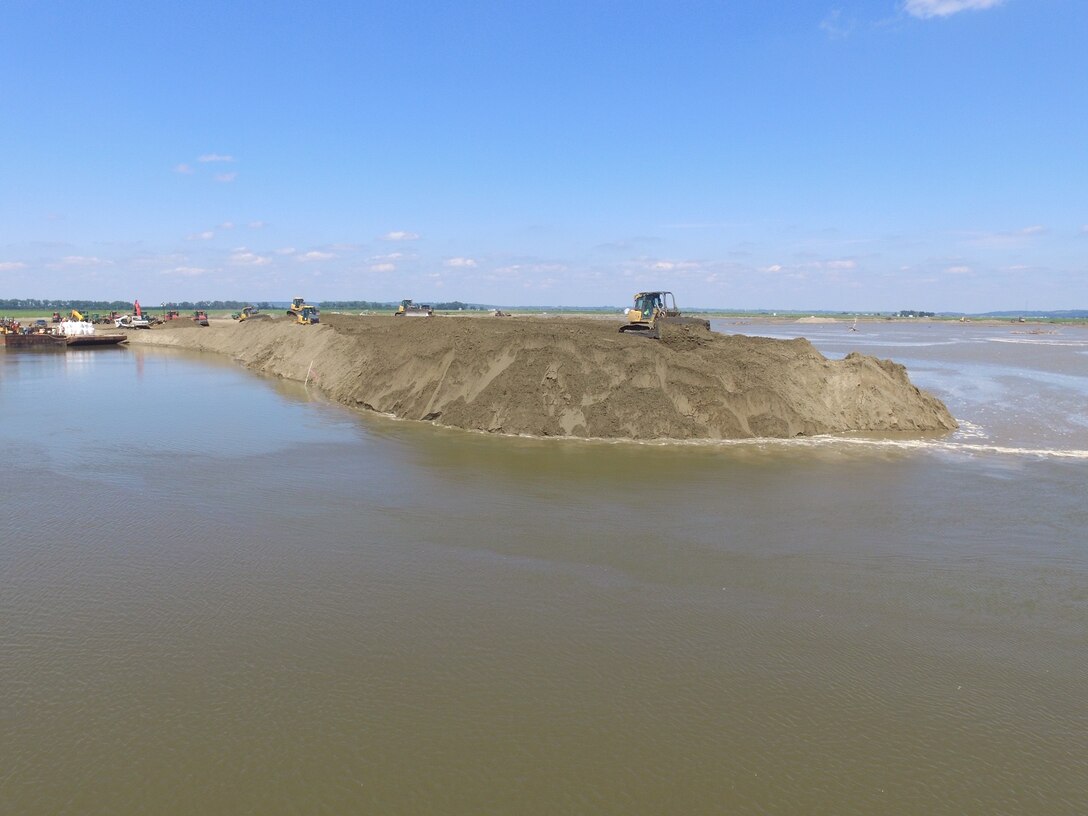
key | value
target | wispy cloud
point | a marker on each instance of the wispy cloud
(925, 9)
(383, 267)
(227, 225)
(1016, 237)
(836, 26)
(243, 257)
(841, 264)
(215, 157)
(959, 269)
(460, 263)
(316, 256)
(401, 235)
(185, 271)
(11, 266)
(84, 261)
(184, 169)
(257, 224)
(206, 235)
(286, 251)
(226, 178)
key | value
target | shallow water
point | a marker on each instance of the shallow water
(222, 595)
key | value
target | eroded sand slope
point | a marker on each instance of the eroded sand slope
(575, 377)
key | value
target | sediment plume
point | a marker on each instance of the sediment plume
(571, 377)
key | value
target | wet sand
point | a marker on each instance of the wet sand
(571, 377)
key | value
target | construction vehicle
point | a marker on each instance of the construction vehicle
(308, 315)
(76, 316)
(131, 322)
(56, 317)
(171, 314)
(409, 309)
(654, 309)
(250, 313)
(200, 317)
(304, 313)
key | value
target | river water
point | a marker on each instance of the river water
(222, 595)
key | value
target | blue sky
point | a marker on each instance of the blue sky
(870, 155)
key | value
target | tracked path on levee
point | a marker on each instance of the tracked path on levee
(572, 377)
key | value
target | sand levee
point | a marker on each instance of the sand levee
(575, 377)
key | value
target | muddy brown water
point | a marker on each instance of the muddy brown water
(221, 595)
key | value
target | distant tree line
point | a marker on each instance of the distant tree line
(124, 305)
(914, 313)
(374, 306)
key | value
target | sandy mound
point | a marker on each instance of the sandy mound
(571, 377)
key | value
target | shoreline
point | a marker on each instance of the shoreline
(574, 378)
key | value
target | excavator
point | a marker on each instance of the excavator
(409, 309)
(303, 312)
(652, 310)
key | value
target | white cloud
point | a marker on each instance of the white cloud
(226, 177)
(184, 169)
(227, 225)
(846, 263)
(521, 270)
(1011, 238)
(667, 265)
(256, 225)
(215, 157)
(401, 235)
(185, 271)
(243, 257)
(835, 26)
(460, 263)
(207, 235)
(11, 266)
(925, 9)
(81, 260)
(382, 267)
(958, 270)
(1084, 229)
(286, 251)
(391, 256)
(316, 256)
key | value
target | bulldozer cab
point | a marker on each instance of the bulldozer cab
(653, 308)
(308, 315)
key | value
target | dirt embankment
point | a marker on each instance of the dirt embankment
(571, 377)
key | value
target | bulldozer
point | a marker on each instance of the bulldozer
(250, 313)
(409, 309)
(304, 313)
(654, 309)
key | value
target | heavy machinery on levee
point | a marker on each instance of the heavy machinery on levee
(409, 309)
(250, 313)
(304, 313)
(654, 309)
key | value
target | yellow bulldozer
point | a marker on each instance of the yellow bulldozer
(250, 313)
(304, 313)
(654, 309)
(408, 308)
